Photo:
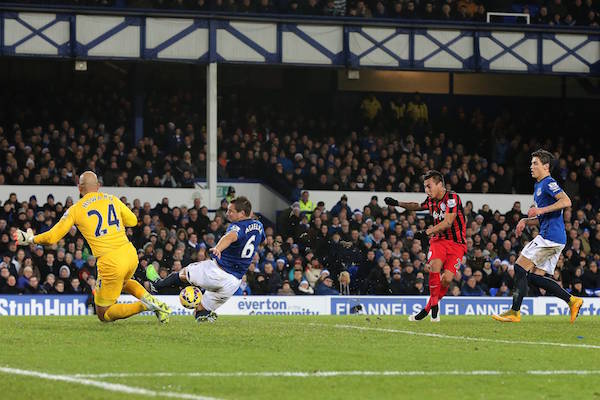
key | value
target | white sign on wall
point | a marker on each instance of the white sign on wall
(263, 199)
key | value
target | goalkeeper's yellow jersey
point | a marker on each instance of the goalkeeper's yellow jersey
(101, 218)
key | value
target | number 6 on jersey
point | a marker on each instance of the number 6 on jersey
(248, 249)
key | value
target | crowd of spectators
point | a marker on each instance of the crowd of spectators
(550, 12)
(562, 13)
(387, 148)
(369, 250)
(349, 249)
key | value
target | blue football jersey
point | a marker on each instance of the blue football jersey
(237, 257)
(552, 225)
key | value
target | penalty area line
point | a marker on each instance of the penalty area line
(461, 338)
(112, 387)
(327, 374)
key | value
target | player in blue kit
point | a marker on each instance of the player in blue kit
(539, 257)
(221, 276)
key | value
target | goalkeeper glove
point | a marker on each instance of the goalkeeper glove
(23, 238)
(391, 202)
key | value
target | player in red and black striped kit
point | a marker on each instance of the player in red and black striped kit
(447, 243)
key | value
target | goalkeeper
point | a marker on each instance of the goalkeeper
(102, 220)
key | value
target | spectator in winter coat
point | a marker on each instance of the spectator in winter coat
(325, 288)
(470, 288)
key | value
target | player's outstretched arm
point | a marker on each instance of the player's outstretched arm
(57, 232)
(23, 238)
(224, 243)
(407, 206)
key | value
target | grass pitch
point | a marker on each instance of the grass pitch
(299, 357)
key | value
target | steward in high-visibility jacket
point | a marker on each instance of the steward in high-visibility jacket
(306, 206)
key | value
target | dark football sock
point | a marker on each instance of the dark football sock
(171, 280)
(422, 314)
(550, 285)
(201, 313)
(434, 312)
(520, 286)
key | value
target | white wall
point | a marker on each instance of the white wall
(262, 198)
(153, 195)
(500, 202)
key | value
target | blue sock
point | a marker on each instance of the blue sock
(550, 285)
(520, 286)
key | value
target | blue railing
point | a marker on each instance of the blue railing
(193, 37)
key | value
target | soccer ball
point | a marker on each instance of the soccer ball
(190, 297)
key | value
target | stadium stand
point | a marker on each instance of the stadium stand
(552, 12)
(348, 141)
(316, 111)
(366, 250)
(371, 250)
(387, 147)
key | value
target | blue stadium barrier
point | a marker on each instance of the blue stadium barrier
(49, 305)
(43, 305)
(80, 33)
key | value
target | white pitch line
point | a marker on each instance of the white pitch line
(462, 338)
(564, 372)
(113, 387)
(283, 374)
(327, 374)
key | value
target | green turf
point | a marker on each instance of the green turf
(82, 345)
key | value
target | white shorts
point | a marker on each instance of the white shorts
(219, 285)
(543, 253)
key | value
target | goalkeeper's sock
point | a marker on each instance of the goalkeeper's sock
(134, 288)
(550, 285)
(520, 286)
(171, 280)
(151, 273)
(120, 311)
(434, 290)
